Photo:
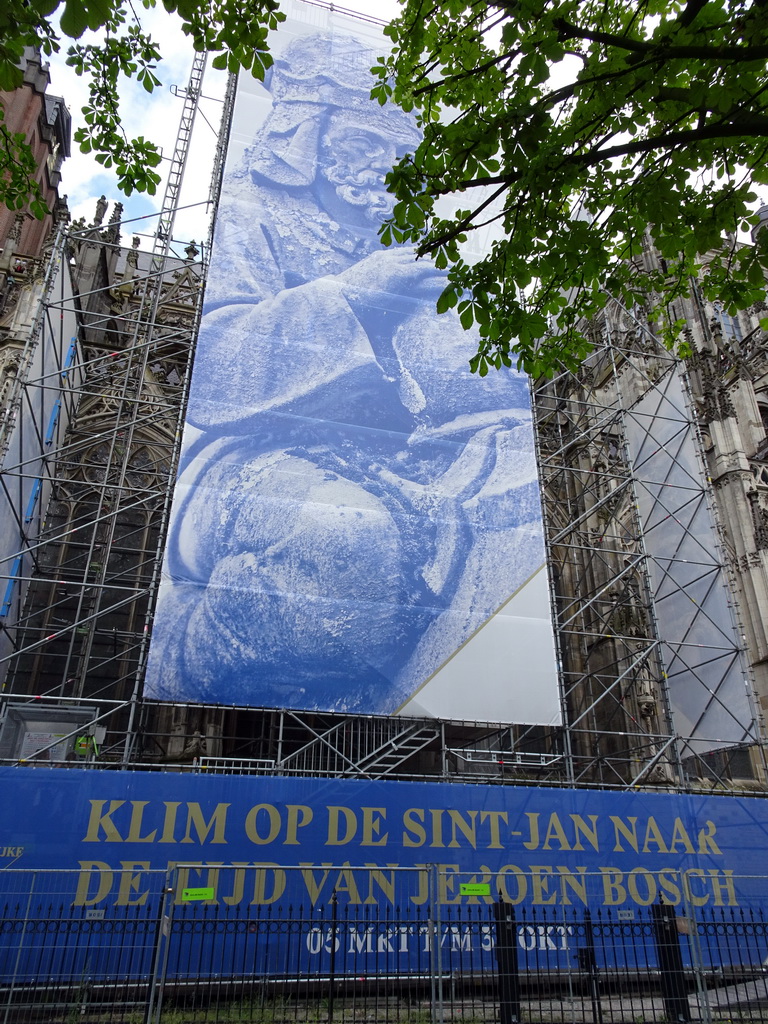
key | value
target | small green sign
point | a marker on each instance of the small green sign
(196, 894)
(474, 889)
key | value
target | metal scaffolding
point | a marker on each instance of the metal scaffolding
(656, 682)
(91, 442)
(652, 663)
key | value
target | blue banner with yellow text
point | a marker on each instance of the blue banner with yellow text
(546, 847)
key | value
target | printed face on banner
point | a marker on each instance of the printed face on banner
(353, 506)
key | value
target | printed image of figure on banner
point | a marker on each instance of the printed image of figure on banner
(352, 504)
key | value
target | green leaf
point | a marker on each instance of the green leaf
(39, 208)
(593, 137)
(74, 19)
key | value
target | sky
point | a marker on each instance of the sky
(156, 116)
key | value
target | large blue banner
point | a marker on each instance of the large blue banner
(271, 877)
(357, 522)
(538, 847)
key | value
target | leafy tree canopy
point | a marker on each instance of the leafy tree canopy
(566, 128)
(234, 30)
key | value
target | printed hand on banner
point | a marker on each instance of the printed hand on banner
(387, 286)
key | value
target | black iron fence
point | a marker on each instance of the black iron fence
(236, 944)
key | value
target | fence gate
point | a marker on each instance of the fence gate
(331, 944)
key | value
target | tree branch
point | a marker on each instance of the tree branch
(462, 225)
(673, 139)
(692, 8)
(471, 73)
(566, 92)
(718, 53)
(595, 156)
